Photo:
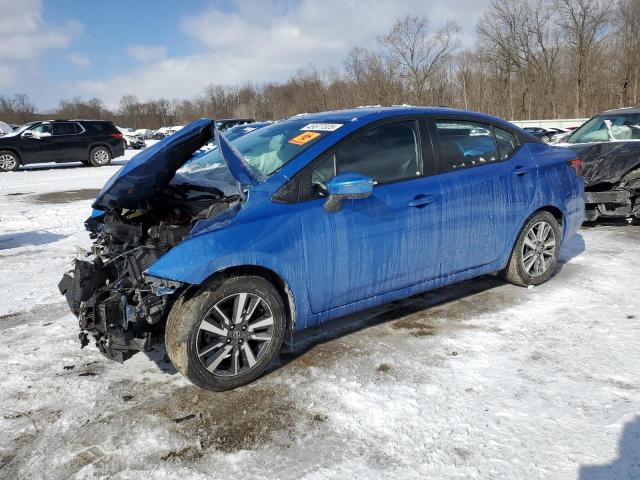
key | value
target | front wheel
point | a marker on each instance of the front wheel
(100, 157)
(535, 256)
(9, 161)
(226, 336)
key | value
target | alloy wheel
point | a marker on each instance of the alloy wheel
(538, 249)
(101, 157)
(234, 334)
(7, 162)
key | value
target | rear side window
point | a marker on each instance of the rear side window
(465, 144)
(65, 128)
(507, 143)
(100, 128)
(387, 153)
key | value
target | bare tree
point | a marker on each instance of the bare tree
(585, 25)
(416, 54)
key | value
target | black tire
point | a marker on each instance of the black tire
(86, 162)
(520, 271)
(9, 161)
(100, 157)
(184, 337)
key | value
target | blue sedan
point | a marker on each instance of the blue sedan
(224, 255)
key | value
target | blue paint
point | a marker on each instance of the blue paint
(152, 169)
(406, 237)
(350, 184)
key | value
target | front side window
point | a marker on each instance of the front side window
(465, 144)
(387, 153)
(43, 128)
(608, 128)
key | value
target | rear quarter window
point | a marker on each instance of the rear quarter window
(100, 128)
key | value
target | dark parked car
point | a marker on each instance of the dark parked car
(241, 130)
(311, 218)
(92, 142)
(227, 123)
(609, 146)
(543, 134)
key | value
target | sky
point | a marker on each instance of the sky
(59, 49)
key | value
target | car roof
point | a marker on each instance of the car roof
(372, 113)
(618, 111)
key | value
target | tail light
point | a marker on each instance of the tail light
(116, 135)
(576, 164)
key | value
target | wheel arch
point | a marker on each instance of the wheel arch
(553, 210)
(13, 150)
(271, 276)
(101, 144)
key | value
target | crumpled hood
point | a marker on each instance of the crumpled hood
(151, 170)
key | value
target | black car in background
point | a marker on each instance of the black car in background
(226, 123)
(544, 134)
(609, 146)
(92, 142)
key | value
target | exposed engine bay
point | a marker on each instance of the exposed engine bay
(123, 310)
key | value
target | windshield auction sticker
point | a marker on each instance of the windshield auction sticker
(322, 127)
(304, 138)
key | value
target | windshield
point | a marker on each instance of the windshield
(608, 128)
(20, 129)
(265, 149)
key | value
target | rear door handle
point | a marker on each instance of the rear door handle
(520, 171)
(420, 201)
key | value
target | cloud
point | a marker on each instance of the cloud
(79, 60)
(260, 42)
(147, 53)
(24, 36)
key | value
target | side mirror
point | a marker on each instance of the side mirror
(28, 134)
(347, 186)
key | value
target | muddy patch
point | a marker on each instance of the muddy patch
(448, 308)
(228, 422)
(67, 196)
(41, 313)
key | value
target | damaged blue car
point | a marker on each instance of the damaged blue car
(222, 253)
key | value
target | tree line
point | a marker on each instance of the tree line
(530, 59)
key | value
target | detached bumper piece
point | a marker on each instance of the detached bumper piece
(119, 324)
(612, 204)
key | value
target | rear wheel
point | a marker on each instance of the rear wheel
(100, 157)
(226, 336)
(535, 256)
(9, 161)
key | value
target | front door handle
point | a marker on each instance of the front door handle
(520, 171)
(420, 201)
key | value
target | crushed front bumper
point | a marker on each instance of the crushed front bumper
(119, 325)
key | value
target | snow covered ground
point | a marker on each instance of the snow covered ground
(479, 381)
